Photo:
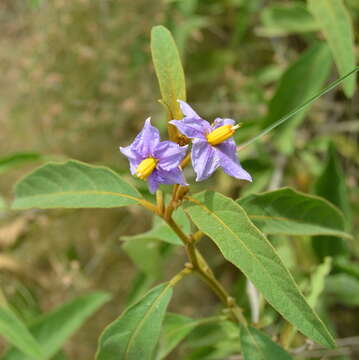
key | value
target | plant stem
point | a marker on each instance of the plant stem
(202, 268)
(179, 276)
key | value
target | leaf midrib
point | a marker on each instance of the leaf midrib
(255, 257)
(147, 314)
(97, 192)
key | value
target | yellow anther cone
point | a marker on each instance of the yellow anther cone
(221, 134)
(145, 168)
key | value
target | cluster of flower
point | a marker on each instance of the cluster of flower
(158, 162)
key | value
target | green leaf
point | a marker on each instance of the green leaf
(331, 186)
(139, 286)
(289, 212)
(258, 346)
(284, 19)
(73, 184)
(336, 25)
(317, 281)
(342, 289)
(146, 254)
(53, 329)
(135, 333)
(12, 328)
(169, 70)
(17, 160)
(161, 231)
(303, 79)
(246, 247)
(175, 328)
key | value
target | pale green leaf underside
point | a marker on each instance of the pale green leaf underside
(135, 333)
(336, 25)
(73, 184)
(53, 329)
(161, 230)
(245, 246)
(168, 68)
(258, 346)
(18, 335)
(289, 212)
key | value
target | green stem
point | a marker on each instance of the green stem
(178, 277)
(202, 268)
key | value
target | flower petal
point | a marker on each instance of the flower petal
(204, 160)
(153, 182)
(228, 160)
(146, 140)
(174, 176)
(169, 155)
(220, 122)
(193, 127)
(133, 158)
(187, 110)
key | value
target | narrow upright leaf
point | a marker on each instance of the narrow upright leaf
(135, 333)
(169, 71)
(302, 80)
(317, 281)
(73, 184)
(246, 247)
(331, 186)
(258, 346)
(289, 212)
(54, 328)
(336, 25)
(12, 328)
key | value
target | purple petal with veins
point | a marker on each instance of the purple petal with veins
(229, 162)
(169, 155)
(146, 140)
(204, 160)
(192, 127)
(187, 110)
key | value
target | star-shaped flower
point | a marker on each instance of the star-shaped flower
(213, 145)
(154, 160)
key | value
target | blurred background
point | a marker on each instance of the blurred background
(77, 81)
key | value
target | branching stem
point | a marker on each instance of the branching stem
(202, 268)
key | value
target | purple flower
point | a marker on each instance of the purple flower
(213, 145)
(155, 161)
